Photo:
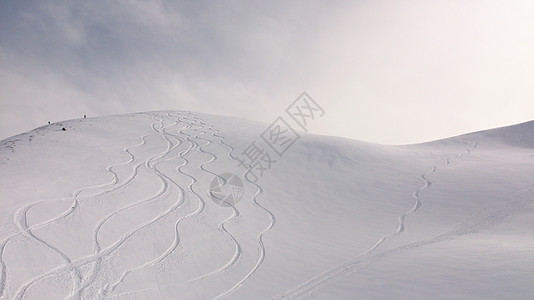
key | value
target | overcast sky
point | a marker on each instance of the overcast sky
(391, 72)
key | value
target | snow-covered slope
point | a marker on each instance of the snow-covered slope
(119, 207)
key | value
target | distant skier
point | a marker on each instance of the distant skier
(64, 129)
(84, 116)
(48, 122)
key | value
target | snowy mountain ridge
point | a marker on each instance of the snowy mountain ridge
(123, 207)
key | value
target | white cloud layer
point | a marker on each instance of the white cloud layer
(384, 71)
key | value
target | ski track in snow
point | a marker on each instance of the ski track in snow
(25, 209)
(262, 252)
(261, 257)
(221, 227)
(517, 201)
(95, 259)
(22, 223)
(307, 288)
(188, 128)
(154, 171)
(111, 286)
(19, 217)
(23, 290)
(237, 254)
(194, 145)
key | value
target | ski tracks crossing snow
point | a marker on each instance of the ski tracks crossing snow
(307, 288)
(200, 137)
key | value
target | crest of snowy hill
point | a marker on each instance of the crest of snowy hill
(123, 207)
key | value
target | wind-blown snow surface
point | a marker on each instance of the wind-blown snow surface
(118, 208)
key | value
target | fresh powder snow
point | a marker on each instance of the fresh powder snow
(133, 207)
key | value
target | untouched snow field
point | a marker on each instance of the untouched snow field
(119, 208)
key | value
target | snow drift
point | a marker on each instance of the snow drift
(120, 207)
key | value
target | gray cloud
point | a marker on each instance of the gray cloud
(385, 71)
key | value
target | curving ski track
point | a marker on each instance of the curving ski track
(306, 288)
(221, 227)
(109, 288)
(96, 258)
(517, 201)
(262, 251)
(193, 145)
(162, 177)
(21, 220)
(25, 287)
